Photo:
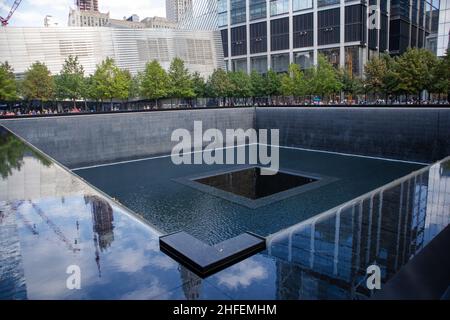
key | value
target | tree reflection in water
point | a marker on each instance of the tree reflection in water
(12, 152)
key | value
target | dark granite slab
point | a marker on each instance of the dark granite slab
(206, 260)
(425, 277)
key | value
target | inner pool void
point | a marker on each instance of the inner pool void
(252, 184)
(217, 202)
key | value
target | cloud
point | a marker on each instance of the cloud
(242, 275)
(32, 13)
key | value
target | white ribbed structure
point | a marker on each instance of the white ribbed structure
(130, 48)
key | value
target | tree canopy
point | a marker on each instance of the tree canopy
(155, 81)
(180, 81)
(38, 83)
(70, 83)
(410, 73)
(110, 82)
(8, 86)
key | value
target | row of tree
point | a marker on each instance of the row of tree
(411, 73)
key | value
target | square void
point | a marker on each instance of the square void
(251, 184)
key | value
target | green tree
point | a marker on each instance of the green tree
(294, 83)
(287, 85)
(135, 85)
(199, 85)
(8, 85)
(351, 85)
(376, 71)
(242, 85)
(110, 82)
(220, 85)
(324, 79)
(70, 82)
(180, 82)
(90, 91)
(38, 83)
(258, 84)
(155, 82)
(273, 84)
(441, 76)
(414, 70)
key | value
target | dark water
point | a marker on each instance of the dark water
(50, 220)
(150, 189)
(252, 184)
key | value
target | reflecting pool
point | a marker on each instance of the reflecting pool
(51, 220)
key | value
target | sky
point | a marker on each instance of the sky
(31, 13)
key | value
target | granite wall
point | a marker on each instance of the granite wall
(413, 134)
(416, 134)
(83, 140)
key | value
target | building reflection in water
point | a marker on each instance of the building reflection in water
(103, 226)
(192, 284)
(326, 257)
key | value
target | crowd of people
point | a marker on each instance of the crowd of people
(42, 111)
(17, 112)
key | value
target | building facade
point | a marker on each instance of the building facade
(128, 23)
(413, 24)
(87, 18)
(158, 23)
(130, 48)
(444, 28)
(87, 5)
(258, 35)
(176, 9)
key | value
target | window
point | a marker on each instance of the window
(353, 60)
(323, 3)
(355, 19)
(304, 59)
(258, 9)
(279, 7)
(279, 30)
(303, 32)
(239, 41)
(259, 64)
(224, 34)
(332, 55)
(329, 26)
(298, 5)
(239, 65)
(258, 37)
(280, 63)
(238, 11)
(222, 11)
(223, 19)
(222, 6)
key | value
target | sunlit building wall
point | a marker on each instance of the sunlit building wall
(130, 48)
(444, 28)
(175, 9)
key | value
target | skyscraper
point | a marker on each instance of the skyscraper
(259, 35)
(87, 5)
(444, 28)
(86, 14)
(175, 9)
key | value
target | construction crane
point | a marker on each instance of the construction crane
(4, 21)
(55, 228)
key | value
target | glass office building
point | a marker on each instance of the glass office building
(444, 28)
(271, 34)
(413, 23)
